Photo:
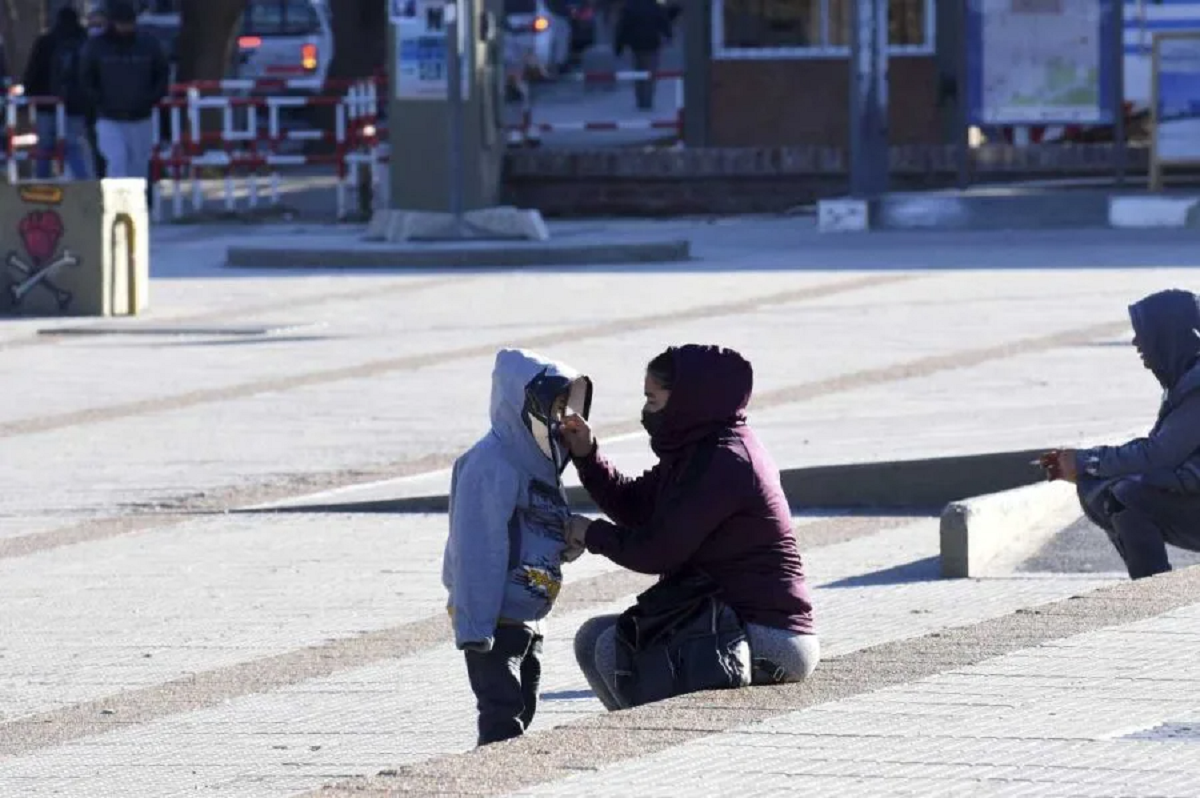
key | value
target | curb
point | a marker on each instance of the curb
(1153, 212)
(904, 484)
(990, 534)
(385, 256)
(1028, 211)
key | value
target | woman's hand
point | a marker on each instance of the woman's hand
(577, 435)
(577, 529)
(576, 535)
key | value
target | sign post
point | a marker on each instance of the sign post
(869, 159)
(454, 72)
(1174, 103)
(445, 132)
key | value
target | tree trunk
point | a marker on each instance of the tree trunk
(21, 21)
(359, 43)
(359, 38)
(207, 34)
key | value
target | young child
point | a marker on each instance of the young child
(508, 520)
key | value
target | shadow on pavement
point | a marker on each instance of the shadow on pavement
(926, 570)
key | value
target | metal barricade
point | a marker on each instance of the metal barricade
(530, 129)
(21, 138)
(246, 147)
(249, 142)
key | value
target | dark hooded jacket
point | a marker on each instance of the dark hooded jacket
(61, 45)
(712, 503)
(1167, 326)
(125, 76)
(644, 26)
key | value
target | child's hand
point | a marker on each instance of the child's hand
(577, 435)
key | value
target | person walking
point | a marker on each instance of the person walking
(643, 27)
(54, 71)
(126, 74)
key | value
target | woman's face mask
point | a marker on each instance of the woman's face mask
(656, 401)
(652, 422)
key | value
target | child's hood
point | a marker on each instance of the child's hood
(524, 387)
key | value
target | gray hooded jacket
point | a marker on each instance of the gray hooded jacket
(508, 509)
(1167, 326)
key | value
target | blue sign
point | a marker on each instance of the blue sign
(1177, 97)
(1042, 62)
(421, 55)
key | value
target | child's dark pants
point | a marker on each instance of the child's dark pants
(506, 681)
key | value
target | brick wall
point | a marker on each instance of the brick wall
(762, 179)
(806, 101)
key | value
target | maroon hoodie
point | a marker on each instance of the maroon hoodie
(713, 502)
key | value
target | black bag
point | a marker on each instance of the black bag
(679, 638)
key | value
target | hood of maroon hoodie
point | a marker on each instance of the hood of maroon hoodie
(711, 391)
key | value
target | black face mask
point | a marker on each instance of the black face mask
(652, 422)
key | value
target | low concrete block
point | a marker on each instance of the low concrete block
(467, 255)
(501, 223)
(843, 215)
(75, 249)
(1143, 212)
(990, 534)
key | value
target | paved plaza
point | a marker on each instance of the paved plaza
(161, 637)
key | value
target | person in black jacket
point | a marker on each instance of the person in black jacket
(644, 26)
(126, 74)
(53, 71)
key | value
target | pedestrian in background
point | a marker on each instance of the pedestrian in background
(54, 71)
(644, 27)
(97, 23)
(126, 74)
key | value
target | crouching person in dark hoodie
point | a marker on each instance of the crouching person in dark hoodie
(732, 607)
(1146, 493)
(508, 537)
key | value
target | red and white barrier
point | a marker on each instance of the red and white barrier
(246, 148)
(21, 139)
(530, 129)
(251, 152)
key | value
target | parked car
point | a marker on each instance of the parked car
(278, 38)
(285, 39)
(538, 40)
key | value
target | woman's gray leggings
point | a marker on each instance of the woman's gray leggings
(779, 656)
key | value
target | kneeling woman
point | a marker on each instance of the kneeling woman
(712, 520)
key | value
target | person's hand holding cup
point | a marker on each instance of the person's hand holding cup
(1060, 464)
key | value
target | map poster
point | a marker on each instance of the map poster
(1176, 91)
(1041, 62)
(421, 64)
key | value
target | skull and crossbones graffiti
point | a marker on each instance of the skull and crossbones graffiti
(40, 233)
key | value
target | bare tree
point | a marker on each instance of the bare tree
(208, 32)
(20, 23)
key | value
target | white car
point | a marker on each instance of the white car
(536, 38)
(285, 39)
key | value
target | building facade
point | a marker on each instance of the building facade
(778, 73)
